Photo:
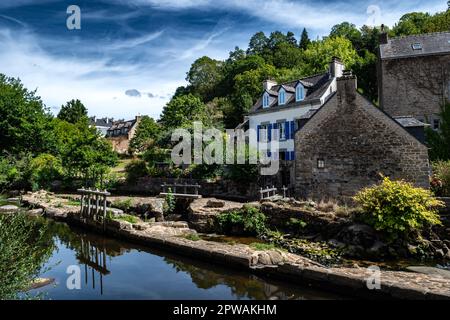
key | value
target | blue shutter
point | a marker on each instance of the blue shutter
(287, 130)
(292, 155)
(258, 127)
(288, 155)
(269, 154)
(292, 129)
(269, 135)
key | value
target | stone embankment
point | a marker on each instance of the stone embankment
(176, 237)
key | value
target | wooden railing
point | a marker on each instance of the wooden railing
(179, 190)
(93, 204)
(268, 192)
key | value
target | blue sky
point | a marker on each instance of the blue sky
(131, 55)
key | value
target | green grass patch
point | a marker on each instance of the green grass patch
(263, 246)
(74, 203)
(122, 204)
(193, 237)
(128, 218)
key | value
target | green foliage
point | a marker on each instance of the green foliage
(248, 220)
(398, 208)
(24, 121)
(441, 177)
(124, 205)
(73, 112)
(135, 170)
(24, 246)
(193, 237)
(304, 40)
(204, 76)
(263, 246)
(45, 169)
(170, 203)
(146, 133)
(182, 111)
(127, 218)
(419, 23)
(439, 141)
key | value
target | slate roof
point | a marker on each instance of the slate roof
(409, 122)
(426, 44)
(101, 122)
(122, 124)
(315, 86)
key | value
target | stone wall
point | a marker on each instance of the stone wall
(224, 189)
(415, 86)
(357, 142)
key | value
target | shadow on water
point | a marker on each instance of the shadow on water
(112, 269)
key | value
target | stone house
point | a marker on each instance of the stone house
(414, 75)
(120, 134)
(347, 143)
(281, 105)
(101, 124)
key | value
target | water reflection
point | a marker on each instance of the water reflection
(113, 269)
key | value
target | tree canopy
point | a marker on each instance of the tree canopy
(73, 111)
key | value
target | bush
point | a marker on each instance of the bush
(248, 220)
(170, 203)
(45, 169)
(398, 208)
(440, 183)
(135, 170)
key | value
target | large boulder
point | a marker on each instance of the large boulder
(9, 209)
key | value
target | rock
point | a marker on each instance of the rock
(174, 217)
(275, 257)
(430, 271)
(359, 235)
(9, 209)
(214, 203)
(264, 258)
(119, 225)
(13, 200)
(440, 253)
(140, 226)
(175, 224)
(36, 212)
(378, 248)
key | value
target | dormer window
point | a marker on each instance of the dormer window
(282, 97)
(266, 100)
(299, 93)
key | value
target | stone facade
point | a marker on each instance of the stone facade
(415, 82)
(121, 133)
(349, 142)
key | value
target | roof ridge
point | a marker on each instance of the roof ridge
(312, 76)
(428, 34)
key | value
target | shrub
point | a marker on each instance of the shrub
(45, 169)
(170, 203)
(441, 180)
(136, 169)
(249, 219)
(127, 218)
(398, 208)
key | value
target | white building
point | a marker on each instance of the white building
(283, 107)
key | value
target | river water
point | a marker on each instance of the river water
(112, 269)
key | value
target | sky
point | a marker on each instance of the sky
(129, 56)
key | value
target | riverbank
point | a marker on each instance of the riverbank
(176, 237)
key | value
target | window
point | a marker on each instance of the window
(282, 97)
(320, 164)
(417, 46)
(282, 130)
(263, 132)
(266, 100)
(299, 92)
(436, 124)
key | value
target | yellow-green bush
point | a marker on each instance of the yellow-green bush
(398, 208)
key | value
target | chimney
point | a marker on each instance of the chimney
(346, 86)
(384, 38)
(268, 84)
(336, 68)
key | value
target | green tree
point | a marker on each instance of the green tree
(182, 111)
(304, 40)
(439, 141)
(146, 133)
(348, 31)
(73, 111)
(24, 121)
(204, 76)
(258, 44)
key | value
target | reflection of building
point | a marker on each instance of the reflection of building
(102, 124)
(121, 132)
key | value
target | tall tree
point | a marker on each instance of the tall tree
(304, 40)
(204, 76)
(182, 111)
(146, 133)
(258, 44)
(349, 31)
(73, 111)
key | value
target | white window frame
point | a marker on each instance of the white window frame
(282, 130)
(266, 100)
(300, 88)
(282, 97)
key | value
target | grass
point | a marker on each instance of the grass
(73, 203)
(263, 246)
(193, 237)
(120, 168)
(128, 218)
(122, 204)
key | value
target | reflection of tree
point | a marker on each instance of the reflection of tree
(241, 285)
(25, 245)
